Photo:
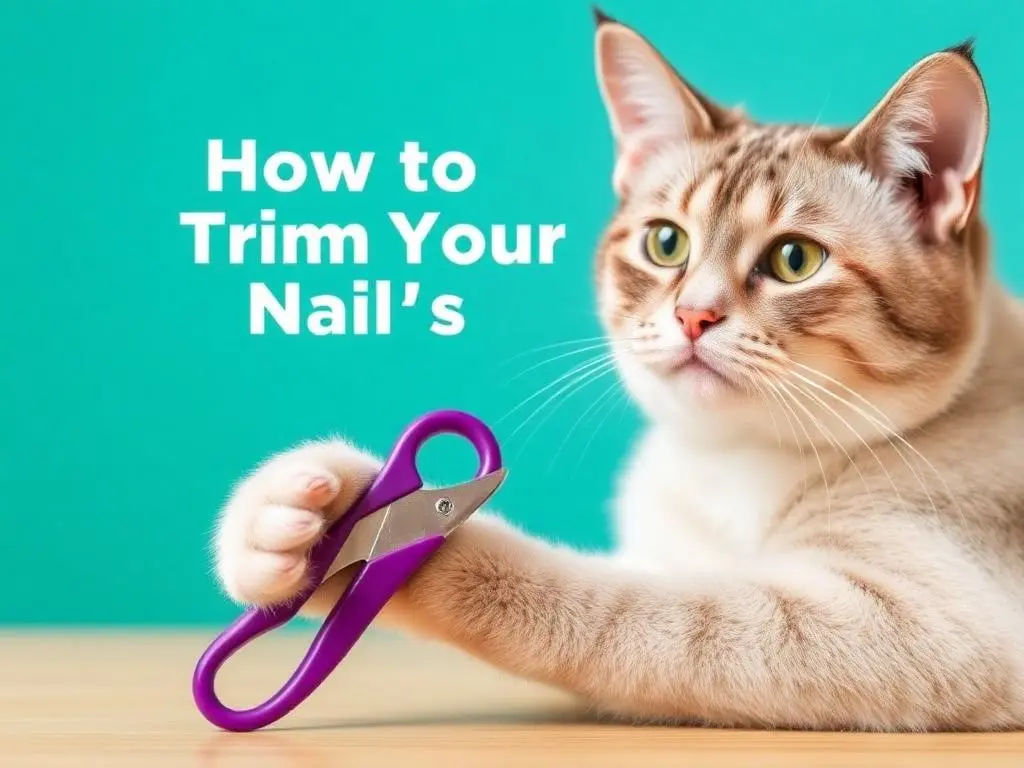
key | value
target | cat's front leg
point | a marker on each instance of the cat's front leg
(817, 639)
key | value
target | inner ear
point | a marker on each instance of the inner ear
(928, 137)
(913, 186)
(649, 105)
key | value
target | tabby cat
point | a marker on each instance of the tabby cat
(823, 526)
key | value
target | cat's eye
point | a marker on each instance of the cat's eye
(666, 244)
(793, 261)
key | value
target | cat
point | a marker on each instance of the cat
(823, 524)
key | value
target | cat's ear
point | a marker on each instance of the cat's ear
(929, 134)
(648, 103)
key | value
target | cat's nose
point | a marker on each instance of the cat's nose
(696, 321)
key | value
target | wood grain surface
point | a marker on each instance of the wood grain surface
(95, 699)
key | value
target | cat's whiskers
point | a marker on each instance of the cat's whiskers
(562, 356)
(748, 373)
(814, 447)
(855, 361)
(851, 459)
(605, 395)
(576, 378)
(785, 361)
(621, 399)
(807, 138)
(556, 345)
(890, 436)
(576, 385)
(604, 343)
(781, 362)
(578, 369)
(758, 365)
(887, 429)
(831, 439)
(790, 414)
(786, 410)
(888, 422)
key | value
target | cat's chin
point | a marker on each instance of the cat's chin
(697, 407)
(703, 384)
(681, 390)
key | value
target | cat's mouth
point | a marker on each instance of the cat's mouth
(693, 363)
(696, 366)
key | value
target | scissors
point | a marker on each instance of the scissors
(390, 530)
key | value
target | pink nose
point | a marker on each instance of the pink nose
(696, 321)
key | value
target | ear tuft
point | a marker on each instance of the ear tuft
(600, 17)
(965, 50)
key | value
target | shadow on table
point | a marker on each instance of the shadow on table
(322, 744)
(560, 716)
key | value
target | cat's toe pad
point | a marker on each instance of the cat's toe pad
(278, 529)
(267, 577)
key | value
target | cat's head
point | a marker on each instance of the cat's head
(757, 269)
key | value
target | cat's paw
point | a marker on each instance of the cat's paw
(279, 512)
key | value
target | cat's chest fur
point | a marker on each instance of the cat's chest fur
(697, 506)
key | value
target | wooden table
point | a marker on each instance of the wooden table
(97, 699)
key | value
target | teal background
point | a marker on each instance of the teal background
(132, 395)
